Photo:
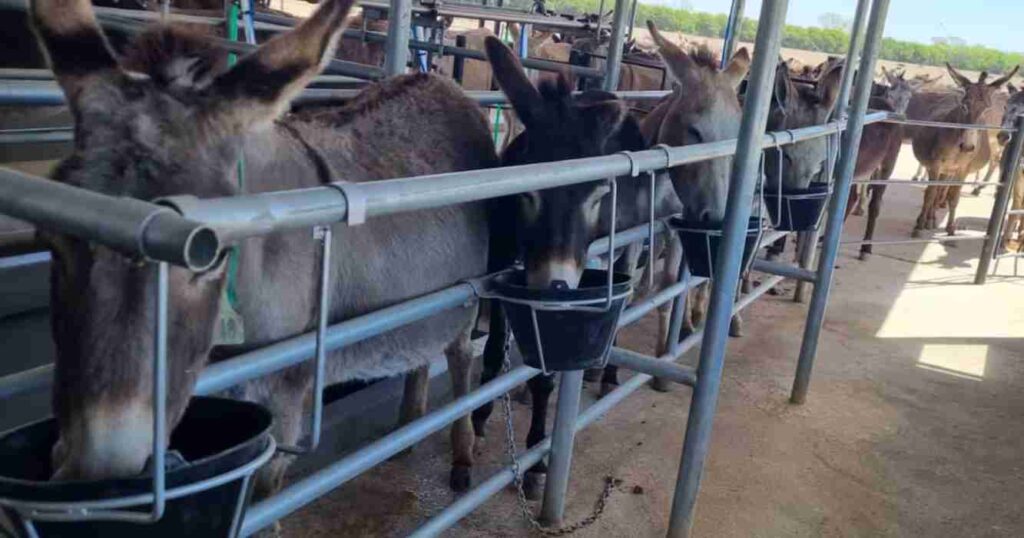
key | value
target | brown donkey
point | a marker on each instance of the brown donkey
(161, 130)
(951, 154)
(704, 107)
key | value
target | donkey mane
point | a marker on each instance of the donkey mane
(703, 56)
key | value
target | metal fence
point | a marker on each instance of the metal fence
(189, 232)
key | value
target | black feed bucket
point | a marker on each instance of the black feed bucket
(797, 210)
(576, 330)
(217, 438)
(701, 240)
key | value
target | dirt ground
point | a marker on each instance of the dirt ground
(911, 428)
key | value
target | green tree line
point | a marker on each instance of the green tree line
(828, 40)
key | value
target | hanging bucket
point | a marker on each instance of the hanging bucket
(701, 240)
(796, 210)
(560, 329)
(220, 440)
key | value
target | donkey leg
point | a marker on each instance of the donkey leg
(952, 200)
(494, 354)
(922, 217)
(285, 400)
(874, 209)
(460, 361)
(670, 274)
(861, 193)
(414, 399)
(541, 387)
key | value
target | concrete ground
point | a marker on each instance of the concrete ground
(911, 429)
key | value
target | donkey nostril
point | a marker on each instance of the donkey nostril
(966, 147)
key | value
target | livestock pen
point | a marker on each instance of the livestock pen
(190, 232)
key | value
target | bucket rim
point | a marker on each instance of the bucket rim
(505, 290)
(754, 226)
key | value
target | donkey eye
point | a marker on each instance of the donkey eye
(693, 133)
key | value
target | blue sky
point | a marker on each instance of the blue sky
(993, 23)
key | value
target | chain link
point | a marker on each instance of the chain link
(517, 478)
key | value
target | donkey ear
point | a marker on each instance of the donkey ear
(259, 88)
(679, 64)
(76, 47)
(738, 66)
(828, 86)
(960, 80)
(1005, 78)
(1011, 88)
(604, 119)
(512, 80)
(783, 85)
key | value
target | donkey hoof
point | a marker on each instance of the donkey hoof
(606, 387)
(864, 256)
(735, 328)
(775, 291)
(916, 233)
(592, 375)
(462, 477)
(533, 485)
(857, 212)
(661, 384)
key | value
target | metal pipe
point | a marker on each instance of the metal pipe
(127, 225)
(258, 214)
(459, 62)
(922, 183)
(936, 239)
(567, 410)
(651, 366)
(486, 13)
(397, 49)
(732, 30)
(44, 135)
(727, 266)
(1008, 176)
(639, 309)
(784, 269)
(613, 65)
(837, 205)
(304, 491)
(945, 125)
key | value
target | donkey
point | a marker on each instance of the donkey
(797, 104)
(703, 107)
(159, 130)
(1014, 108)
(550, 230)
(951, 154)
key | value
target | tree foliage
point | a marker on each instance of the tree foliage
(829, 40)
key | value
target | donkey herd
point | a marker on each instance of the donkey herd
(166, 115)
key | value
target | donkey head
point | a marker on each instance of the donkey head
(555, 226)
(174, 126)
(899, 90)
(976, 101)
(796, 105)
(704, 108)
(1014, 108)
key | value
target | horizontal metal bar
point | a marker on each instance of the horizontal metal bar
(26, 74)
(487, 14)
(37, 135)
(965, 126)
(922, 182)
(639, 362)
(935, 239)
(784, 269)
(641, 308)
(36, 379)
(19, 242)
(308, 489)
(263, 361)
(247, 215)
(623, 238)
(1015, 212)
(127, 225)
(741, 303)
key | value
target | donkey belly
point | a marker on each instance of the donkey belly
(393, 259)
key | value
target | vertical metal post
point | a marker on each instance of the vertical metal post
(563, 434)
(632, 19)
(614, 63)
(159, 392)
(732, 30)
(679, 306)
(808, 243)
(399, 25)
(459, 66)
(745, 166)
(1007, 177)
(837, 206)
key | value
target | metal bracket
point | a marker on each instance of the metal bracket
(355, 202)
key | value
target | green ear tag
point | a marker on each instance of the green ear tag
(230, 328)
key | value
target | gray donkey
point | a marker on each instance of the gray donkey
(172, 125)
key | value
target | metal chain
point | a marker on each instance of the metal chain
(517, 478)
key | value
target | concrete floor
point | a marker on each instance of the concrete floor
(912, 426)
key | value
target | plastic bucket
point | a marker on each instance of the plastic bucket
(701, 240)
(797, 210)
(216, 436)
(573, 336)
